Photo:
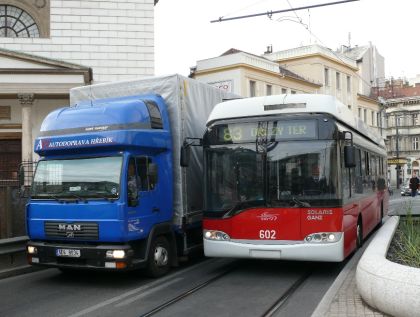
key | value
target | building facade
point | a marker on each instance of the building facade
(249, 75)
(46, 44)
(403, 138)
(307, 69)
(114, 38)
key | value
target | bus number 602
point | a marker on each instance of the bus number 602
(268, 234)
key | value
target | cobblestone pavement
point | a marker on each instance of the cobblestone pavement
(348, 303)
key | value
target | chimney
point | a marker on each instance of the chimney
(269, 49)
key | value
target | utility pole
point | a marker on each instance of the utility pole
(398, 167)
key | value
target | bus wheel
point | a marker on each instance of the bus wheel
(359, 234)
(159, 257)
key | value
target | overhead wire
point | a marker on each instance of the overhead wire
(317, 38)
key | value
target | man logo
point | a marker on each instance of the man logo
(69, 227)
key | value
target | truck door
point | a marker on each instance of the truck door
(143, 214)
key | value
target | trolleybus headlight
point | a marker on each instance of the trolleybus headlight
(216, 235)
(323, 237)
(32, 250)
(115, 254)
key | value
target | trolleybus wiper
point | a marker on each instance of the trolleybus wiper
(300, 203)
(242, 205)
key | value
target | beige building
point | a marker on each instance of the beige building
(340, 75)
(250, 75)
(307, 69)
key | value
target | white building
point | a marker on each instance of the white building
(50, 46)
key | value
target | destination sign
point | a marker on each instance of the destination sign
(271, 130)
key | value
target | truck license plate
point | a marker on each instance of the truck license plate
(71, 253)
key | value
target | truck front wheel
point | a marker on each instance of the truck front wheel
(159, 258)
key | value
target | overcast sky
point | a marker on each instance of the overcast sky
(184, 34)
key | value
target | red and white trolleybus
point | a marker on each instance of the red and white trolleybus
(294, 177)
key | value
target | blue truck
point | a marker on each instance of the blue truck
(109, 191)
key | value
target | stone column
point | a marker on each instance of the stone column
(26, 100)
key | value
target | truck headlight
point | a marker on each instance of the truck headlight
(216, 235)
(31, 249)
(323, 237)
(115, 254)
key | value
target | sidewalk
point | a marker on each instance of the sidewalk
(342, 299)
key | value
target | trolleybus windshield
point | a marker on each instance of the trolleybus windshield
(276, 173)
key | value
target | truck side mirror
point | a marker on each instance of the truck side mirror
(152, 172)
(185, 155)
(349, 156)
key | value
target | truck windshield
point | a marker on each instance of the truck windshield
(297, 174)
(78, 178)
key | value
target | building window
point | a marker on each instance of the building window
(349, 106)
(252, 88)
(365, 115)
(284, 91)
(373, 118)
(326, 77)
(269, 90)
(5, 113)
(359, 112)
(337, 81)
(15, 22)
(293, 92)
(415, 119)
(349, 84)
(415, 143)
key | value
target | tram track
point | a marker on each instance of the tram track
(271, 311)
(286, 295)
(189, 292)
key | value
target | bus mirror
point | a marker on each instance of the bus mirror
(185, 155)
(349, 156)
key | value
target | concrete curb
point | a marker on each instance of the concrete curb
(390, 287)
(18, 270)
(325, 304)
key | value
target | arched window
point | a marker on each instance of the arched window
(15, 22)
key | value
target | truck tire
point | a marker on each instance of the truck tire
(159, 259)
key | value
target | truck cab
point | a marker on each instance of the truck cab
(102, 191)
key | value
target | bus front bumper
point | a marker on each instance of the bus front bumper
(322, 252)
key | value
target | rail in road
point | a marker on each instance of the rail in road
(203, 288)
(271, 311)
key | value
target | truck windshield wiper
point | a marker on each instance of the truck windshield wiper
(102, 195)
(77, 197)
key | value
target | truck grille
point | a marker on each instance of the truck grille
(74, 230)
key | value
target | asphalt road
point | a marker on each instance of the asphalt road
(245, 288)
(234, 288)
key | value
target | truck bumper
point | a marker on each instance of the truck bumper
(82, 256)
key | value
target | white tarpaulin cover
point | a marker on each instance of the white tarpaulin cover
(189, 105)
